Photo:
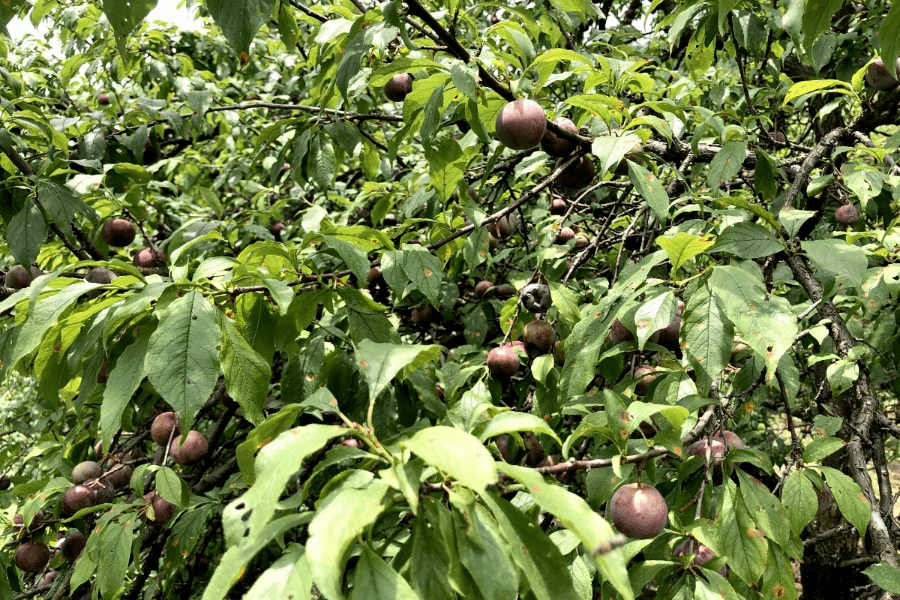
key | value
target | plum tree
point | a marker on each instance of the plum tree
(32, 556)
(482, 287)
(37, 521)
(878, 76)
(565, 234)
(149, 258)
(76, 498)
(188, 449)
(72, 546)
(521, 124)
(645, 374)
(846, 214)
(638, 511)
(578, 175)
(119, 476)
(163, 426)
(556, 146)
(159, 511)
(716, 451)
(85, 470)
(536, 297)
(398, 87)
(366, 318)
(539, 336)
(558, 206)
(99, 275)
(18, 277)
(503, 362)
(118, 232)
(701, 554)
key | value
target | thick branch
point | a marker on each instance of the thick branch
(863, 413)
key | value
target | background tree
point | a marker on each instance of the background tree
(444, 300)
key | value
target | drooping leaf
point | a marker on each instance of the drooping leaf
(247, 373)
(238, 19)
(341, 517)
(122, 381)
(850, 499)
(376, 580)
(456, 453)
(800, 501)
(382, 362)
(183, 357)
(244, 518)
(708, 336)
(126, 16)
(748, 241)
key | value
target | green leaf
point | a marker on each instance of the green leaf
(238, 19)
(748, 241)
(651, 188)
(845, 261)
(323, 163)
(464, 76)
(247, 374)
(183, 358)
(429, 564)
(232, 565)
(817, 19)
(611, 150)
(424, 271)
(125, 17)
(792, 219)
(800, 501)
(841, 375)
(61, 204)
(244, 518)
(123, 380)
(288, 578)
(447, 163)
(726, 164)
(260, 436)
(889, 34)
(509, 421)
(653, 315)
(807, 87)
(485, 555)
(765, 509)
(565, 302)
(682, 247)
(27, 231)
(850, 499)
(455, 452)
(576, 516)
(708, 336)
(352, 255)
(767, 325)
(343, 515)
(533, 551)
(115, 554)
(819, 448)
(172, 487)
(375, 580)
(885, 576)
(739, 539)
(43, 316)
(382, 362)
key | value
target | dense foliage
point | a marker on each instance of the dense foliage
(409, 361)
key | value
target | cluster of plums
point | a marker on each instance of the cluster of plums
(93, 485)
(639, 511)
